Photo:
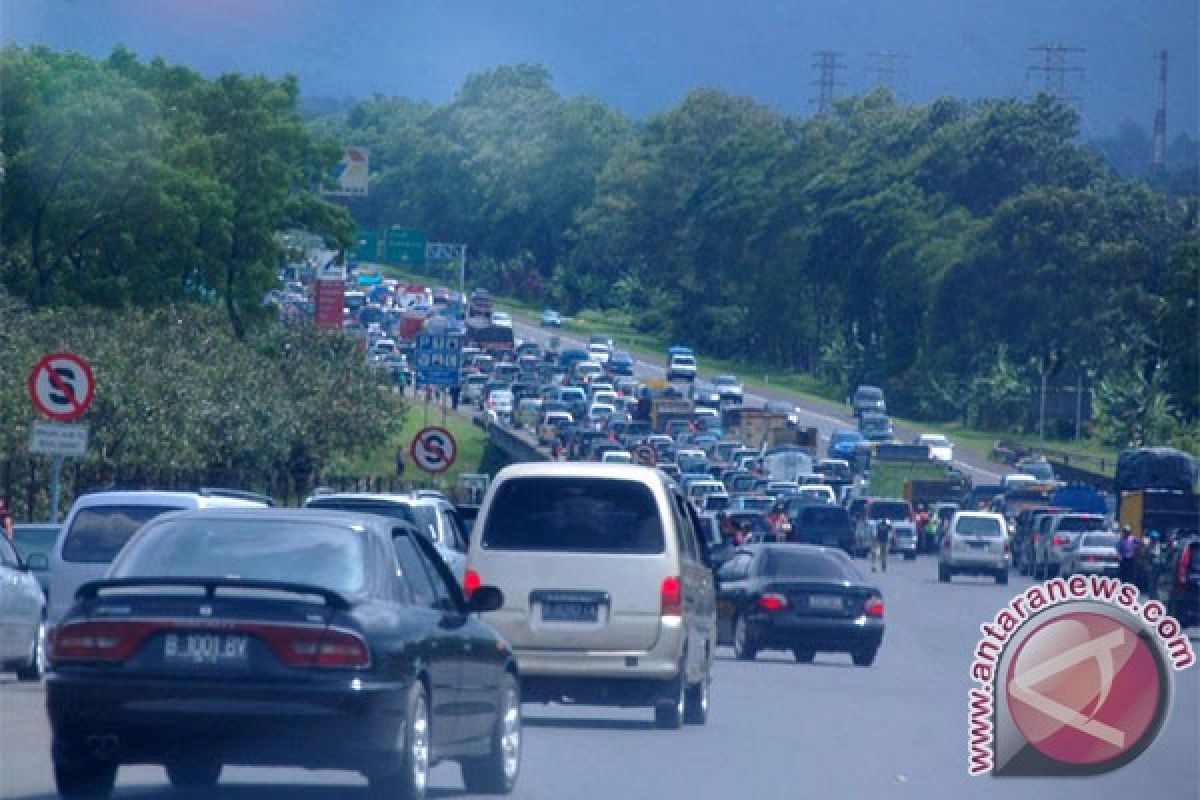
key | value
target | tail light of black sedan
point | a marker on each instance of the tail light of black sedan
(772, 601)
(115, 641)
(874, 606)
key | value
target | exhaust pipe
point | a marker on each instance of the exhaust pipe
(104, 747)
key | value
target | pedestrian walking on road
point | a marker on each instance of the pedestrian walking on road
(1127, 551)
(883, 537)
(400, 463)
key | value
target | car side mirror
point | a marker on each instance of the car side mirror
(37, 562)
(485, 598)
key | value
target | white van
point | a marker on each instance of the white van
(608, 595)
(99, 524)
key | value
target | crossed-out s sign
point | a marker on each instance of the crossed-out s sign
(62, 386)
(434, 449)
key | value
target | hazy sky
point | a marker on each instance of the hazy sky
(643, 56)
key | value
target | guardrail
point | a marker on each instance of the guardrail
(1074, 467)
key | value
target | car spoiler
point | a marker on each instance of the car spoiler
(334, 599)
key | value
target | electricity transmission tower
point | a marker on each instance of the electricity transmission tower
(1055, 68)
(1160, 118)
(828, 64)
(887, 68)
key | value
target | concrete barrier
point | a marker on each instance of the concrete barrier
(517, 445)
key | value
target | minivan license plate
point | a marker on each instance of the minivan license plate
(570, 612)
(205, 648)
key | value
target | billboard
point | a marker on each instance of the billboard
(331, 298)
(349, 178)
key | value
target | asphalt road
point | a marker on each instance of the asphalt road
(826, 417)
(778, 729)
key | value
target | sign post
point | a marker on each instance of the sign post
(61, 387)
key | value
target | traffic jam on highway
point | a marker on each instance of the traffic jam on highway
(675, 524)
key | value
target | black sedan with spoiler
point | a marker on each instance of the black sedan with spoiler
(326, 640)
(797, 597)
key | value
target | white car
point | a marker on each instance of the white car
(616, 457)
(472, 387)
(940, 448)
(599, 412)
(682, 368)
(502, 319)
(500, 402)
(600, 353)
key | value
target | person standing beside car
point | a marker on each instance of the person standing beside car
(1127, 551)
(6, 520)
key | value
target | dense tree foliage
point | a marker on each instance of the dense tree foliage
(142, 184)
(175, 387)
(954, 252)
(951, 251)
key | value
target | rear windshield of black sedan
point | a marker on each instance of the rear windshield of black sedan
(587, 515)
(783, 562)
(311, 553)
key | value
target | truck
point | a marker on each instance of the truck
(497, 340)
(762, 429)
(1162, 510)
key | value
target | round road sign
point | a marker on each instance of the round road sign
(433, 449)
(62, 386)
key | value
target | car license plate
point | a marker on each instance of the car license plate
(977, 545)
(570, 612)
(205, 648)
(825, 602)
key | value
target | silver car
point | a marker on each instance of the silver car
(22, 614)
(976, 543)
(1091, 554)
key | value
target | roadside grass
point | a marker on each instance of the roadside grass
(756, 375)
(380, 461)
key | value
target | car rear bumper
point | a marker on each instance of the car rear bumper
(325, 724)
(660, 662)
(785, 632)
(981, 565)
(1086, 568)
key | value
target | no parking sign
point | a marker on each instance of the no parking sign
(433, 449)
(62, 386)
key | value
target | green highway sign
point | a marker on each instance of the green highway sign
(367, 245)
(404, 246)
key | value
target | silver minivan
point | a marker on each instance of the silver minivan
(976, 543)
(608, 594)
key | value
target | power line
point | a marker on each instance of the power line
(828, 63)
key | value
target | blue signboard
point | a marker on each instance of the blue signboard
(439, 358)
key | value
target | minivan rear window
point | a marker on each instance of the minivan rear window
(1076, 524)
(889, 510)
(978, 526)
(98, 533)
(573, 514)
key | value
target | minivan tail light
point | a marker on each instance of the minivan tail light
(471, 582)
(672, 597)
(1060, 540)
(1185, 562)
(874, 606)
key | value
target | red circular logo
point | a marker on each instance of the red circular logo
(1084, 688)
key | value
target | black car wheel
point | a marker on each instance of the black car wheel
(804, 655)
(79, 775)
(864, 658)
(910, 556)
(695, 703)
(36, 665)
(744, 646)
(496, 773)
(408, 775)
(668, 714)
(943, 573)
(194, 773)
(1002, 577)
